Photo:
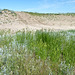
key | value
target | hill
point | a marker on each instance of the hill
(18, 20)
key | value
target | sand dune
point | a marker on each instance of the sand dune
(22, 20)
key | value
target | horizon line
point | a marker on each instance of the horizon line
(38, 12)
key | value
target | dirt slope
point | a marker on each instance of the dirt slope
(21, 20)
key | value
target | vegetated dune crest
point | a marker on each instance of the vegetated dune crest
(21, 20)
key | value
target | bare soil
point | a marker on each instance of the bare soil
(24, 20)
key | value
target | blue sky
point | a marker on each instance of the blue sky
(42, 6)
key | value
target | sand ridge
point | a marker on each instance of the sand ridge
(22, 20)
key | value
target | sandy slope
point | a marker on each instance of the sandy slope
(24, 20)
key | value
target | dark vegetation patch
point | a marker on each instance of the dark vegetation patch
(42, 14)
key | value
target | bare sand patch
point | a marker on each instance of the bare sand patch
(24, 20)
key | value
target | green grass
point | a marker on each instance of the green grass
(43, 14)
(0, 11)
(71, 30)
(37, 53)
(11, 12)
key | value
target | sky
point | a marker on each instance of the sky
(40, 6)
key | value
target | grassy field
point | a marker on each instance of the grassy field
(37, 53)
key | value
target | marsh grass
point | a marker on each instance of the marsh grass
(37, 53)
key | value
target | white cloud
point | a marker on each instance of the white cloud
(45, 4)
(42, 4)
(66, 2)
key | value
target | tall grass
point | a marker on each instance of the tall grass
(37, 53)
